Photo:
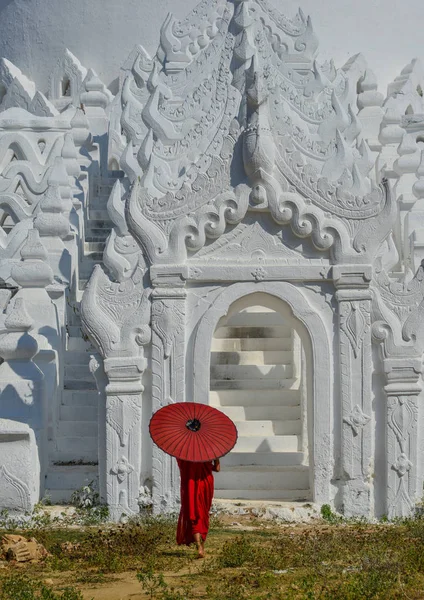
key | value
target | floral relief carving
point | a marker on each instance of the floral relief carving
(402, 465)
(122, 469)
(357, 419)
(259, 274)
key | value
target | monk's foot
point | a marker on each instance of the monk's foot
(200, 553)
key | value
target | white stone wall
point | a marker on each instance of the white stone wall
(233, 161)
(103, 32)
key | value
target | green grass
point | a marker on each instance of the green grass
(330, 561)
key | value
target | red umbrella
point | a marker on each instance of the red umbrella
(192, 431)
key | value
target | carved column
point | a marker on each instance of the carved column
(403, 387)
(168, 374)
(355, 370)
(123, 434)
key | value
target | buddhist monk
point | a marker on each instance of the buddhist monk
(197, 486)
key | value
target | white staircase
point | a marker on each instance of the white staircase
(256, 381)
(75, 444)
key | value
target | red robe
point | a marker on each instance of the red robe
(197, 486)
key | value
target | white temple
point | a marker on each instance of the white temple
(234, 222)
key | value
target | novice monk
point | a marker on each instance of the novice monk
(197, 487)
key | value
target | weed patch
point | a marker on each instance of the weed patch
(23, 588)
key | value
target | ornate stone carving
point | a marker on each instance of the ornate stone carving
(259, 274)
(168, 323)
(402, 465)
(355, 384)
(402, 444)
(249, 167)
(354, 323)
(357, 419)
(122, 469)
(122, 415)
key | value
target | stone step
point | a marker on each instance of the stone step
(77, 429)
(251, 357)
(253, 384)
(273, 443)
(74, 331)
(251, 343)
(262, 411)
(99, 224)
(267, 459)
(95, 257)
(73, 317)
(285, 495)
(75, 449)
(71, 384)
(253, 332)
(80, 398)
(269, 428)
(263, 478)
(236, 372)
(60, 496)
(71, 477)
(78, 344)
(99, 214)
(73, 357)
(75, 413)
(257, 319)
(78, 373)
(252, 397)
(90, 247)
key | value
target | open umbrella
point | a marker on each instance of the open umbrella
(192, 431)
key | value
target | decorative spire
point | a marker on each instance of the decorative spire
(16, 343)
(33, 271)
(70, 157)
(80, 128)
(95, 92)
(51, 220)
(59, 177)
(368, 94)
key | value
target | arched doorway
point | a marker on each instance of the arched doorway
(258, 378)
(311, 455)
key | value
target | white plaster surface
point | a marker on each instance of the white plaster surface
(102, 33)
(230, 165)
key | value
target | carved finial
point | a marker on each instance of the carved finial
(70, 156)
(51, 220)
(95, 92)
(33, 271)
(59, 177)
(17, 343)
(368, 94)
(80, 128)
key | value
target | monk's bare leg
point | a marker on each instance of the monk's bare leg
(200, 545)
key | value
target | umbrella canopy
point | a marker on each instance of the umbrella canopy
(192, 431)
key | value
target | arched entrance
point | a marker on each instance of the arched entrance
(280, 397)
(258, 377)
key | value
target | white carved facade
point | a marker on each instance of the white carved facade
(255, 220)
